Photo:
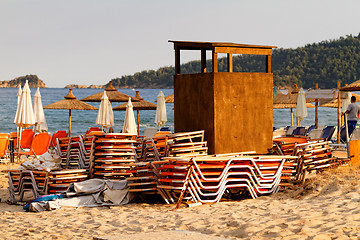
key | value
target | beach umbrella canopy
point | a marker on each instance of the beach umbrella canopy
(129, 123)
(113, 95)
(25, 116)
(301, 110)
(40, 122)
(70, 102)
(105, 117)
(140, 105)
(18, 102)
(160, 117)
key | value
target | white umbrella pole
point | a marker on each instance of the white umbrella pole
(19, 139)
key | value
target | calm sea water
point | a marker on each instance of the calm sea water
(82, 120)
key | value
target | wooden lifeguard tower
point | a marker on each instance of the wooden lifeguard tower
(234, 108)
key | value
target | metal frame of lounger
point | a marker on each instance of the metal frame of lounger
(252, 177)
(25, 182)
(221, 182)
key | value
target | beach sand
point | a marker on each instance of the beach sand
(327, 206)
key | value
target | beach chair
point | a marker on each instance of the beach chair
(4, 143)
(328, 132)
(150, 132)
(312, 127)
(56, 135)
(315, 134)
(26, 138)
(164, 129)
(39, 145)
(91, 129)
(290, 130)
(299, 131)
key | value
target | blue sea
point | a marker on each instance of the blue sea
(82, 120)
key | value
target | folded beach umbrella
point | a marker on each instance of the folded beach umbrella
(40, 122)
(129, 123)
(105, 117)
(25, 115)
(301, 110)
(160, 117)
(70, 102)
(346, 101)
(140, 105)
(18, 102)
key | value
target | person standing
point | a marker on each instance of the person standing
(353, 112)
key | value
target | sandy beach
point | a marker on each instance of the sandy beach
(325, 207)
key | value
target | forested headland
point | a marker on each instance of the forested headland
(324, 63)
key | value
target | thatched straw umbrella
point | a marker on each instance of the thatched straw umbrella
(70, 102)
(334, 103)
(140, 105)
(113, 94)
(355, 86)
(169, 98)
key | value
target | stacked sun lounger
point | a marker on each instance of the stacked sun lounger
(74, 158)
(61, 148)
(178, 144)
(59, 181)
(313, 155)
(186, 144)
(208, 179)
(21, 182)
(112, 156)
(41, 182)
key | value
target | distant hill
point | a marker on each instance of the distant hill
(324, 63)
(34, 82)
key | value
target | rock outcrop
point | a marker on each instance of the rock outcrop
(34, 82)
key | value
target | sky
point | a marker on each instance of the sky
(93, 41)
